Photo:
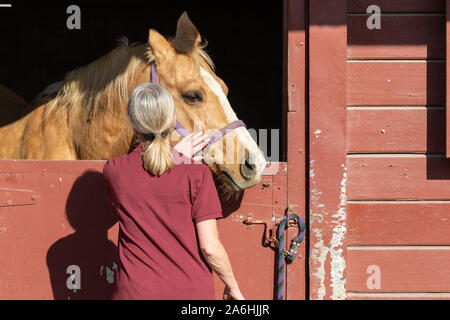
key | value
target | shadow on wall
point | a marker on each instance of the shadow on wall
(90, 213)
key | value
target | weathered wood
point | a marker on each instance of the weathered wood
(396, 97)
(406, 6)
(327, 145)
(396, 83)
(400, 37)
(296, 201)
(377, 129)
(399, 223)
(391, 177)
(409, 269)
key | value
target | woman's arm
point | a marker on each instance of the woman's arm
(217, 258)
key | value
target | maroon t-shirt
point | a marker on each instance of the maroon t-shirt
(159, 256)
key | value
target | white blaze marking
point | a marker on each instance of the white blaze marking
(217, 89)
(243, 135)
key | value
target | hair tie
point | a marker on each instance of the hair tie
(157, 133)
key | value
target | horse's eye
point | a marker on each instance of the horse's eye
(193, 96)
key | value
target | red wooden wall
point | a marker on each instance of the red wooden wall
(398, 217)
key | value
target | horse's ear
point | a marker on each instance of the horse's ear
(160, 47)
(187, 37)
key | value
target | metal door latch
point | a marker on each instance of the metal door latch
(270, 239)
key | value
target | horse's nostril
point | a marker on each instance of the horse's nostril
(248, 169)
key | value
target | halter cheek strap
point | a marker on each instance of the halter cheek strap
(154, 74)
(184, 132)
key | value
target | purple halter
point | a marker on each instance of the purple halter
(184, 132)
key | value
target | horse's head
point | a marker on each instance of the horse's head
(201, 104)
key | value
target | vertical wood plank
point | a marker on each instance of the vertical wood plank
(295, 272)
(327, 147)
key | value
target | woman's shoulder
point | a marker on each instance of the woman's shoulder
(200, 168)
(108, 167)
(193, 169)
(116, 161)
(110, 163)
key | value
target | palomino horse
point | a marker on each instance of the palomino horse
(84, 116)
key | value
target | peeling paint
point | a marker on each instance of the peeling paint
(315, 195)
(335, 246)
(319, 255)
(317, 133)
(319, 251)
(338, 264)
(316, 217)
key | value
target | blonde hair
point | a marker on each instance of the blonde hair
(151, 112)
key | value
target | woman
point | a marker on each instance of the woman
(168, 239)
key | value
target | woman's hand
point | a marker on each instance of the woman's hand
(192, 144)
(229, 294)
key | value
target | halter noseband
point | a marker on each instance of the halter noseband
(184, 132)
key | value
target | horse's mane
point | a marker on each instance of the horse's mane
(110, 78)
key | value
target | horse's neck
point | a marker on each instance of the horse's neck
(107, 134)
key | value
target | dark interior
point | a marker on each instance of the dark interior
(245, 42)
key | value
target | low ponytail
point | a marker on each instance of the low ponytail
(157, 157)
(151, 112)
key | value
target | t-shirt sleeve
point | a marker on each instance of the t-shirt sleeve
(206, 203)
